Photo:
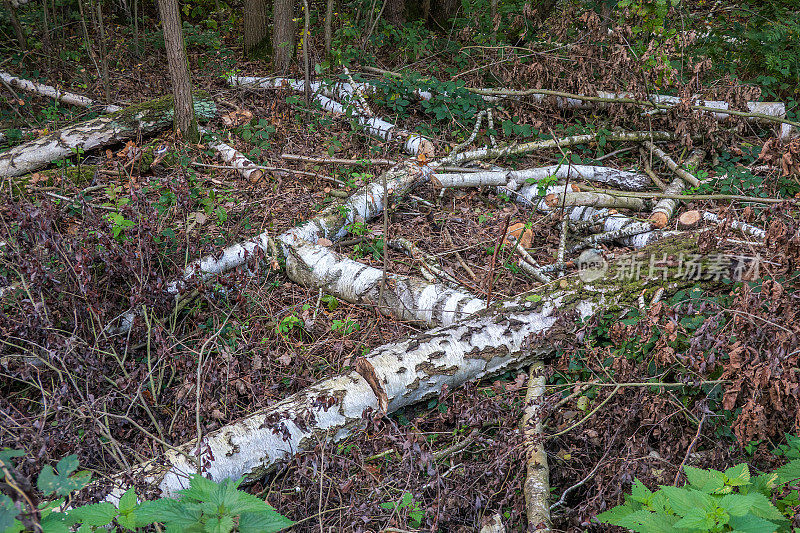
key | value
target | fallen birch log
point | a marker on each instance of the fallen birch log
(537, 478)
(502, 338)
(331, 223)
(762, 112)
(145, 118)
(516, 149)
(236, 159)
(665, 207)
(413, 143)
(513, 179)
(56, 94)
(594, 199)
(747, 229)
(403, 297)
(230, 155)
(615, 226)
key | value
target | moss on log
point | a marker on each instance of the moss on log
(144, 118)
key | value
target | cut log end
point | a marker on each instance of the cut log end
(255, 176)
(689, 219)
(659, 220)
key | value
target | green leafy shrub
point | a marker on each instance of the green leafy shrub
(206, 506)
(758, 41)
(712, 501)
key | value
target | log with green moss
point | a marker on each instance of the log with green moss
(145, 118)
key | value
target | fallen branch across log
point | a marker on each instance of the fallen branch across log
(505, 337)
(516, 149)
(513, 179)
(145, 118)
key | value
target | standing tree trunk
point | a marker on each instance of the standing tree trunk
(283, 34)
(178, 70)
(256, 26)
(12, 12)
(328, 28)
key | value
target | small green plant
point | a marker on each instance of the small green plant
(711, 501)
(407, 502)
(288, 323)
(330, 301)
(205, 506)
(345, 327)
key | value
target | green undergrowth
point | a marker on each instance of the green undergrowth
(205, 506)
(712, 501)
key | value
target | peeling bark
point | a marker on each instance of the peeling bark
(144, 118)
(502, 338)
(404, 297)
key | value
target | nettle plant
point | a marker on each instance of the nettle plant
(206, 506)
(713, 501)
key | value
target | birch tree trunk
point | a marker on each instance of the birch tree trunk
(179, 74)
(127, 123)
(507, 336)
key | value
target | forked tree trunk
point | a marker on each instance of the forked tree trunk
(283, 33)
(179, 73)
(256, 25)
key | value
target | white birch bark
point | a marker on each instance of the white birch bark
(246, 168)
(127, 123)
(665, 207)
(56, 94)
(331, 223)
(513, 179)
(413, 143)
(615, 226)
(595, 199)
(515, 149)
(537, 478)
(404, 297)
(747, 229)
(504, 337)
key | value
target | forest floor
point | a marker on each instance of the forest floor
(87, 257)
